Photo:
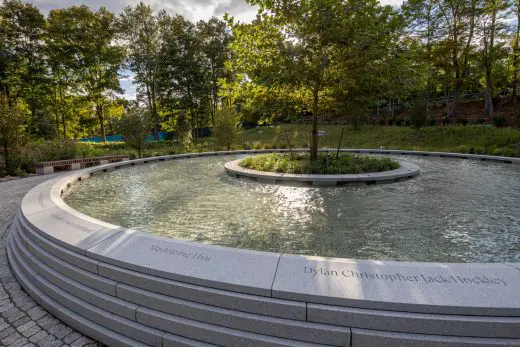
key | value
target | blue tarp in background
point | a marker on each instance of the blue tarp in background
(119, 138)
(197, 133)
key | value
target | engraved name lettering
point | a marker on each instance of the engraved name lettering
(181, 253)
(436, 278)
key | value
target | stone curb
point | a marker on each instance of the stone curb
(404, 172)
(107, 282)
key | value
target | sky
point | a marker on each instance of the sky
(191, 9)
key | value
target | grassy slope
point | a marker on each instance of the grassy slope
(465, 139)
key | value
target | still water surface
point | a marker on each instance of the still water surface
(456, 211)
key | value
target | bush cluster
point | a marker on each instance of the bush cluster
(326, 164)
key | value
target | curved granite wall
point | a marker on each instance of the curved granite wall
(404, 172)
(124, 287)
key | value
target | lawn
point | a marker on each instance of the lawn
(462, 139)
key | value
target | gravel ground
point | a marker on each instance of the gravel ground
(22, 321)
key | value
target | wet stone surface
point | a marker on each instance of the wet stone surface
(22, 321)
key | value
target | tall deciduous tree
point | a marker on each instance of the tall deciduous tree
(22, 63)
(140, 31)
(183, 82)
(515, 11)
(214, 43)
(491, 31)
(451, 25)
(89, 54)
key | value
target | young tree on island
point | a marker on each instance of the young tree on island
(313, 46)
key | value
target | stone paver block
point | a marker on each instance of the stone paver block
(20, 342)
(49, 341)
(71, 337)
(16, 317)
(11, 338)
(63, 332)
(6, 332)
(55, 328)
(36, 313)
(31, 331)
(26, 326)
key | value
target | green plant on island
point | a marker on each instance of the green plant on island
(325, 164)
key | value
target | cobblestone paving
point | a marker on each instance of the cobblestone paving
(22, 321)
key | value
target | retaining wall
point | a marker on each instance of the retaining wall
(124, 287)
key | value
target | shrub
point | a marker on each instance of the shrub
(325, 164)
(225, 128)
(14, 164)
(12, 120)
(134, 126)
(418, 114)
(499, 121)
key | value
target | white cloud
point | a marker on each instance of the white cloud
(391, 2)
(192, 9)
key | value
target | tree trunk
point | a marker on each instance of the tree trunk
(489, 61)
(150, 94)
(99, 111)
(32, 108)
(516, 51)
(377, 112)
(461, 70)
(64, 124)
(214, 92)
(515, 69)
(455, 102)
(57, 122)
(314, 133)
(63, 121)
(6, 150)
(447, 101)
(155, 116)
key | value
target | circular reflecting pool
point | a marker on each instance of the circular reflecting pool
(456, 211)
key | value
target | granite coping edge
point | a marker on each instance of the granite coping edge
(406, 170)
(64, 182)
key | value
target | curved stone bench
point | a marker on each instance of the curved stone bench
(125, 287)
(404, 172)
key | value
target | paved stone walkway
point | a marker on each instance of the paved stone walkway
(22, 321)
